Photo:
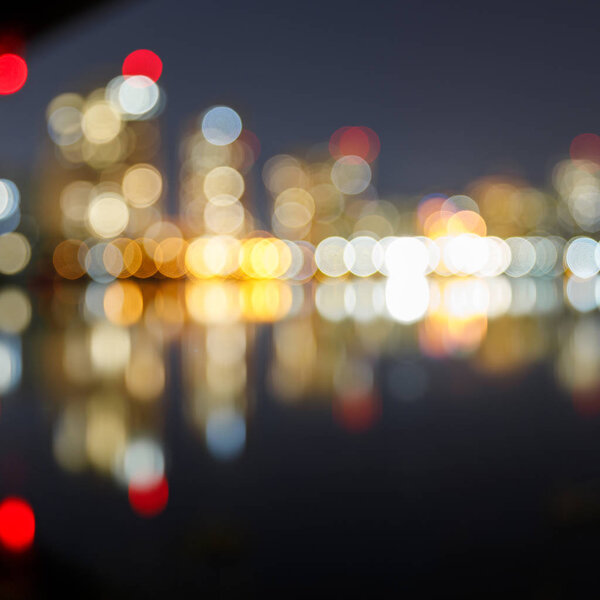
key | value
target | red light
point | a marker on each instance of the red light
(357, 412)
(149, 498)
(586, 146)
(143, 62)
(13, 73)
(17, 524)
(355, 141)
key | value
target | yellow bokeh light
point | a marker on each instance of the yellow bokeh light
(108, 216)
(223, 180)
(142, 185)
(101, 122)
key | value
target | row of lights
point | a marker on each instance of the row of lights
(362, 256)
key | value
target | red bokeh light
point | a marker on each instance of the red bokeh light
(586, 146)
(13, 73)
(355, 141)
(357, 412)
(17, 524)
(149, 498)
(143, 62)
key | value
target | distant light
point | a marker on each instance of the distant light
(17, 524)
(221, 125)
(351, 175)
(225, 433)
(149, 498)
(586, 146)
(581, 257)
(64, 125)
(137, 95)
(523, 256)
(143, 62)
(143, 462)
(333, 255)
(363, 256)
(13, 73)
(15, 253)
(15, 310)
(406, 256)
(355, 141)
(9, 199)
(108, 215)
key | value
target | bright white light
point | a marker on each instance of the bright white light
(9, 199)
(221, 125)
(138, 95)
(466, 254)
(523, 256)
(332, 255)
(363, 256)
(582, 257)
(407, 298)
(407, 256)
(498, 257)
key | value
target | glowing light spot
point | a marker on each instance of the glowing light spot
(108, 216)
(523, 256)
(149, 498)
(351, 175)
(363, 256)
(66, 259)
(15, 253)
(582, 257)
(138, 95)
(169, 257)
(581, 294)
(223, 180)
(17, 524)
(407, 298)
(101, 123)
(143, 462)
(9, 199)
(143, 62)
(586, 147)
(498, 257)
(332, 257)
(225, 433)
(465, 254)
(224, 214)
(221, 125)
(13, 73)
(406, 256)
(15, 310)
(355, 141)
(64, 125)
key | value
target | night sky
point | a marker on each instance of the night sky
(455, 90)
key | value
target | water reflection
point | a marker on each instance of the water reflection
(115, 355)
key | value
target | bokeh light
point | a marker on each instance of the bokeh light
(17, 524)
(13, 73)
(143, 62)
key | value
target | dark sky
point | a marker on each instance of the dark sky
(455, 90)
